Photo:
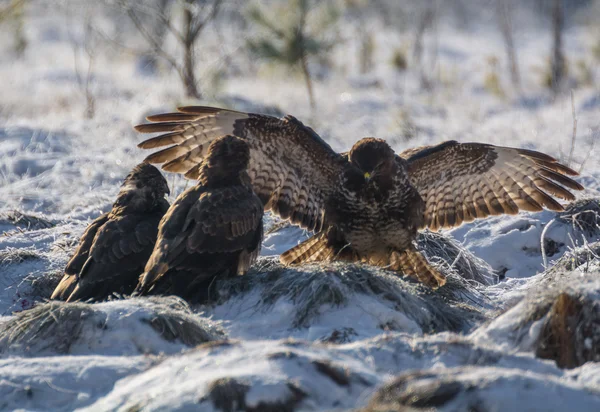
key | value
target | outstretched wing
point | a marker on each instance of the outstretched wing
(460, 182)
(292, 169)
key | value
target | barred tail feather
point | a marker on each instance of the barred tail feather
(314, 249)
(412, 263)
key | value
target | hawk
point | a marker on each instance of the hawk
(213, 229)
(368, 204)
(115, 247)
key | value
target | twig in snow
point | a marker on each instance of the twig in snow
(574, 137)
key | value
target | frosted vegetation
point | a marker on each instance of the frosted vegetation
(516, 327)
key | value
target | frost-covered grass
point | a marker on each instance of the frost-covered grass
(519, 314)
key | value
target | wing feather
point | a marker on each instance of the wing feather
(292, 169)
(460, 182)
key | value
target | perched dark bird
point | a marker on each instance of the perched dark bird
(212, 230)
(367, 204)
(115, 247)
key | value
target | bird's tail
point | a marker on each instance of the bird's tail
(412, 263)
(64, 288)
(148, 279)
(314, 249)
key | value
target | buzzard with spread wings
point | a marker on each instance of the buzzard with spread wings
(115, 247)
(367, 204)
(213, 229)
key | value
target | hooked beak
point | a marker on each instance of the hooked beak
(367, 176)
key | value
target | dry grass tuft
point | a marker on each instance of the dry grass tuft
(25, 221)
(56, 326)
(571, 331)
(455, 307)
(455, 259)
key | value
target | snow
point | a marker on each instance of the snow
(317, 337)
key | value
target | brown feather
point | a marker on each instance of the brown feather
(305, 251)
(184, 162)
(554, 189)
(412, 263)
(162, 140)
(164, 155)
(172, 117)
(200, 110)
(159, 127)
(563, 180)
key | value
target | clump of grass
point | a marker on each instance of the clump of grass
(42, 286)
(310, 287)
(577, 258)
(402, 394)
(546, 77)
(584, 73)
(53, 326)
(174, 321)
(454, 258)
(399, 60)
(405, 126)
(56, 326)
(595, 49)
(367, 52)
(491, 81)
(25, 221)
(229, 395)
(12, 255)
(584, 217)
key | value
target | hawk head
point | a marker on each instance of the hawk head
(227, 158)
(144, 185)
(373, 157)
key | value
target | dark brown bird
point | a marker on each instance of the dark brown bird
(365, 205)
(212, 230)
(115, 247)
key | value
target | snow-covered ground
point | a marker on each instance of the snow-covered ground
(330, 337)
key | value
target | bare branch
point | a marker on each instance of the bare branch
(166, 20)
(7, 11)
(199, 26)
(574, 136)
(503, 9)
(156, 47)
(589, 152)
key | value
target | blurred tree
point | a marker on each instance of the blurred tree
(359, 12)
(558, 64)
(149, 60)
(425, 21)
(504, 13)
(292, 38)
(14, 15)
(197, 14)
(87, 45)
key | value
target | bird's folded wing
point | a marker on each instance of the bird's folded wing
(292, 169)
(460, 182)
(225, 220)
(122, 244)
(85, 243)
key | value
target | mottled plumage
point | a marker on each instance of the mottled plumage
(365, 205)
(115, 247)
(213, 229)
